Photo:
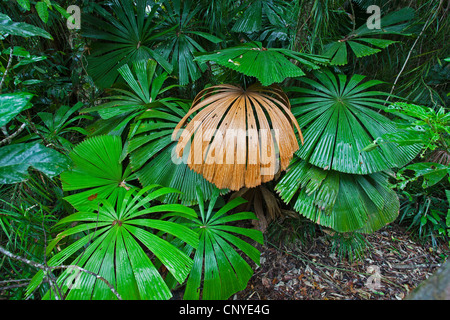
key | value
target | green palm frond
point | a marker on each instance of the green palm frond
(143, 91)
(343, 202)
(219, 270)
(178, 45)
(256, 11)
(97, 173)
(342, 118)
(362, 44)
(123, 36)
(56, 125)
(268, 65)
(113, 248)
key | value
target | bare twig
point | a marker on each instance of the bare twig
(51, 279)
(11, 50)
(8, 138)
(13, 286)
(113, 290)
(409, 53)
(415, 266)
(48, 270)
(13, 280)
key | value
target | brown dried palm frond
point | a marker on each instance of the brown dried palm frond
(238, 137)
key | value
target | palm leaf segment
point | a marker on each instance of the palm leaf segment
(142, 91)
(219, 270)
(114, 249)
(125, 35)
(361, 42)
(336, 182)
(268, 65)
(143, 87)
(238, 137)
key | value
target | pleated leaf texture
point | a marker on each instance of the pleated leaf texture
(342, 118)
(219, 270)
(124, 34)
(151, 154)
(268, 65)
(98, 171)
(114, 242)
(341, 201)
(238, 137)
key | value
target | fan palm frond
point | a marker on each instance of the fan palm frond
(178, 45)
(362, 44)
(123, 36)
(341, 121)
(97, 172)
(343, 202)
(219, 270)
(239, 137)
(114, 248)
(268, 65)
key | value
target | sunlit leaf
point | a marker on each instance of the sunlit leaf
(11, 104)
(22, 29)
(268, 65)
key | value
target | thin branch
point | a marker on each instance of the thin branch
(409, 54)
(8, 138)
(352, 17)
(11, 50)
(13, 286)
(48, 269)
(51, 279)
(113, 290)
(13, 280)
(22, 259)
(415, 266)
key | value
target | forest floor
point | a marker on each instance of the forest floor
(393, 266)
